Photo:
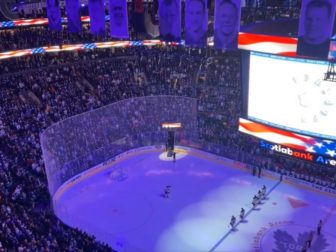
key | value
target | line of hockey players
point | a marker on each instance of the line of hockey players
(256, 200)
(259, 197)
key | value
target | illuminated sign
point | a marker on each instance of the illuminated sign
(318, 159)
(171, 125)
(298, 142)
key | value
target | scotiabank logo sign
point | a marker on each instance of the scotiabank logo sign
(298, 154)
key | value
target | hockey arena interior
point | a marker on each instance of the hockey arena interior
(168, 125)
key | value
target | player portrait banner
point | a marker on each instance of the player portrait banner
(118, 18)
(54, 15)
(170, 20)
(196, 23)
(97, 17)
(73, 15)
(227, 24)
(315, 28)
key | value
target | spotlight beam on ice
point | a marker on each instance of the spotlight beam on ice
(248, 213)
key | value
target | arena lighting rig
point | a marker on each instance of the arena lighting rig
(171, 125)
(330, 75)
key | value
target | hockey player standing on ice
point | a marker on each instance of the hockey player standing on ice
(260, 196)
(167, 191)
(242, 214)
(233, 222)
(263, 190)
(254, 201)
(319, 227)
(310, 239)
(259, 171)
(254, 170)
(174, 156)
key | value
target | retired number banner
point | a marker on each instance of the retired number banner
(54, 15)
(196, 23)
(73, 15)
(170, 20)
(118, 18)
(97, 17)
(315, 28)
(227, 24)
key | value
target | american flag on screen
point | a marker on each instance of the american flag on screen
(284, 46)
(287, 138)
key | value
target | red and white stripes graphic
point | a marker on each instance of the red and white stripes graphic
(268, 44)
(275, 135)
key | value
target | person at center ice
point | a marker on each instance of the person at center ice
(167, 191)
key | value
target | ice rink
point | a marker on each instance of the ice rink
(122, 204)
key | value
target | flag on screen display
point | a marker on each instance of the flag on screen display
(269, 44)
(288, 138)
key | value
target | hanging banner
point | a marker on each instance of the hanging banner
(196, 23)
(139, 8)
(73, 15)
(315, 28)
(170, 20)
(97, 17)
(118, 19)
(227, 24)
(54, 15)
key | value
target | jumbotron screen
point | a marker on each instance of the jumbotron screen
(290, 93)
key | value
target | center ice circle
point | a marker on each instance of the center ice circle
(292, 237)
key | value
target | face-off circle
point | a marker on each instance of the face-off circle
(288, 236)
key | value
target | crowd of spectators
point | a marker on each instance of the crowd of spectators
(38, 36)
(256, 15)
(27, 222)
(40, 90)
(33, 99)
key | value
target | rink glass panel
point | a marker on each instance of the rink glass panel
(83, 141)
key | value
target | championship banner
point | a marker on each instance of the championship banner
(227, 24)
(315, 28)
(170, 20)
(54, 15)
(118, 18)
(73, 15)
(97, 17)
(196, 23)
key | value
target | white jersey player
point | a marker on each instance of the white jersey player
(260, 196)
(167, 191)
(232, 222)
(263, 190)
(255, 201)
(242, 214)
